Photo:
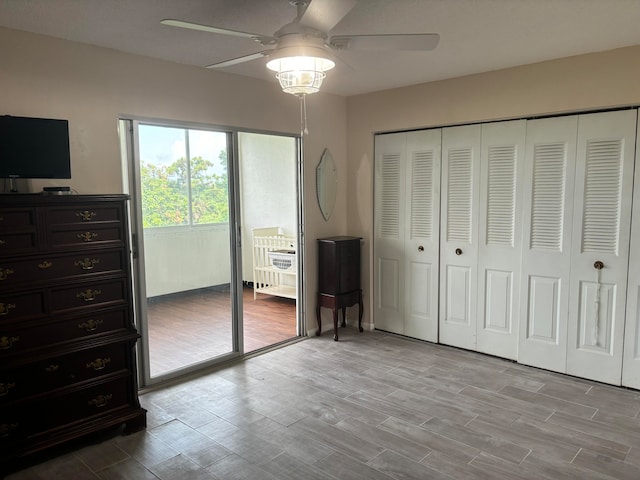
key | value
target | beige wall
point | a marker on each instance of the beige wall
(586, 82)
(91, 87)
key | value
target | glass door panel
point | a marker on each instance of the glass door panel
(186, 247)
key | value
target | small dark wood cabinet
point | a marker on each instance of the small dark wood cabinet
(339, 278)
(67, 359)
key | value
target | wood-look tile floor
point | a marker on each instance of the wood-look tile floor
(196, 326)
(372, 406)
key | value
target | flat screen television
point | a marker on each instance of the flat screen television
(34, 148)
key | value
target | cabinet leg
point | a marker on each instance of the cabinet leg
(335, 324)
(360, 311)
(318, 319)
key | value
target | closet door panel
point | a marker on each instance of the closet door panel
(547, 214)
(631, 355)
(389, 273)
(600, 244)
(459, 235)
(500, 236)
(422, 234)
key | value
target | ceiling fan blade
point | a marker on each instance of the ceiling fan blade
(264, 39)
(323, 15)
(411, 41)
(244, 58)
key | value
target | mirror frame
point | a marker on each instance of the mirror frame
(326, 184)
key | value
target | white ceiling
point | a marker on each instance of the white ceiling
(475, 35)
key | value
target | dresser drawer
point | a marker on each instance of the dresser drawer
(17, 219)
(25, 420)
(88, 295)
(86, 235)
(21, 306)
(85, 214)
(17, 242)
(18, 338)
(64, 370)
(15, 271)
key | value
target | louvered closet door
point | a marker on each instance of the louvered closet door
(631, 355)
(459, 235)
(604, 182)
(500, 236)
(422, 234)
(389, 205)
(550, 158)
(407, 204)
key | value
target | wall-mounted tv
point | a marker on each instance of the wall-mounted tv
(34, 148)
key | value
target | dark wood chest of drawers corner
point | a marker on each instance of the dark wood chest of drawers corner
(67, 338)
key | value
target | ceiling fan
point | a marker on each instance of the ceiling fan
(307, 36)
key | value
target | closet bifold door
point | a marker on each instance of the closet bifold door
(500, 234)
(459, 235)
(406, 248)
(631, 356)
(547, 215)
(600, 244)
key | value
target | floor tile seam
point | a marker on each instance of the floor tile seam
(522, 404)
(547, 396)
(478, 447)
(76, 455)
(384, 431)
(592, 434)
(531, 446)
(602, 442)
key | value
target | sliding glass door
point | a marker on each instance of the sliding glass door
(194, 259)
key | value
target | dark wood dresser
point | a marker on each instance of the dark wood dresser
(339, 278)
(67, 360)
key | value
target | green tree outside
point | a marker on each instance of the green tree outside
(165, 193)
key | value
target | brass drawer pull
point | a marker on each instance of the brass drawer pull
(5, 307)
(52, 368)
(90, 325)
(5, 428)
(89, 295)
(2, 242)
(100, 400)
(86, 216)
(87, 236)
(4, 388)
(5, 272)
(7, 342)
(99, 363)
(86, 263)
(45, 264)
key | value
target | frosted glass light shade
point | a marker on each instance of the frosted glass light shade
(300, 74)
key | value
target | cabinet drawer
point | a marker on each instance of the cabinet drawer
(56, 372)
(17, 219)
(27, 419)
(21, 306)
(85, 214)
(22, 338)
(90, 235)
(17, 242)
(44, 268)
(88, 295)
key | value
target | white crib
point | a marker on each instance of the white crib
(274, 263)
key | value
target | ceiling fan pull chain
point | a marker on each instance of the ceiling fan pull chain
(303, 116)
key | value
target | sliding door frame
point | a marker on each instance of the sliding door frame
(129, 141)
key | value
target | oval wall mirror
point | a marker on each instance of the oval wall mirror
(326, 183)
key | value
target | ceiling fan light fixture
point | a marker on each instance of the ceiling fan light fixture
(300, 70)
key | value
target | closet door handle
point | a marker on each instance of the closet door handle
(420, 248)
(458, 251)
(598, 265)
